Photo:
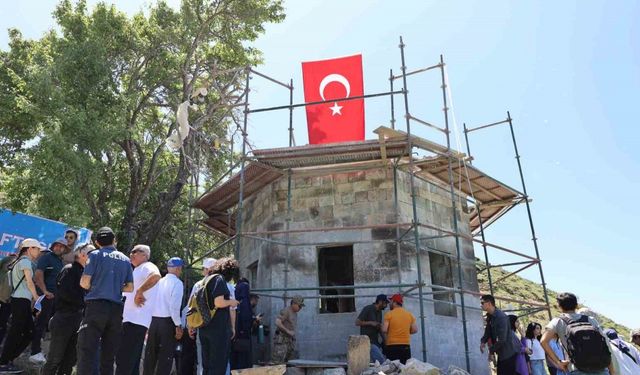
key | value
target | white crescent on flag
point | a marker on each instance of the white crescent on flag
(334, 78)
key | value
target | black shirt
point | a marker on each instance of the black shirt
(70, 295)
(370, 314)
(215, 288)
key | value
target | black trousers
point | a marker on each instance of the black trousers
(130, 353)
(400, 352)
(100, 330)
(161, 347)
(64, 338)
(20, 330)
(507, 366)
(5, 313)
(187, 357)
(216, 345)
(41, 324)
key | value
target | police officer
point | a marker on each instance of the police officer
(107, 274)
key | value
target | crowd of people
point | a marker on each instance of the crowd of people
(108, 312)
(572, 343)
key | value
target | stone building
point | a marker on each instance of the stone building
(351, 224)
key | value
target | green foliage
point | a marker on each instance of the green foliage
(86, 111)
(518, 288)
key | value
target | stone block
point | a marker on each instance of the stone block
(372, 195)
(362, 196)
(357, 176)
(295, 371)
(358, 354)
(347, 198)
(361, 186)
(326, 201)
(417, 367)
(376, 174)
(266, 370)
(334, 371)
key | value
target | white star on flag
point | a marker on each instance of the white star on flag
(335, 110)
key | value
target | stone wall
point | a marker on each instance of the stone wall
(358, 199)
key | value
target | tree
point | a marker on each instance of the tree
(86, 111)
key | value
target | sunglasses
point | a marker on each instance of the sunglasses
(135, 252)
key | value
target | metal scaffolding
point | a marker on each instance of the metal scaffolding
(443, 170)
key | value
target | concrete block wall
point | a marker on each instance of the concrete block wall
(360, 198)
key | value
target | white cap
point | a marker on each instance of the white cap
(208, 262)
(30, 242)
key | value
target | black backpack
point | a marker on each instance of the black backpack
(586, 346)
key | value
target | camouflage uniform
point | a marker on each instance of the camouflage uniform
(284, 345)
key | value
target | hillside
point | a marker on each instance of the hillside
(518, 288)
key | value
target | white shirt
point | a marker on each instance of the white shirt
(140, 315)
(232, 294)
(169, 298)
(536, 348)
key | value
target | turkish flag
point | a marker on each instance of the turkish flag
(340, 121)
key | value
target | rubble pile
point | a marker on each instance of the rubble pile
(413, 367)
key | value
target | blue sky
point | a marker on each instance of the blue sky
(569, 73)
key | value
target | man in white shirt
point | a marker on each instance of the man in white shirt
(166, 328)
(138, 308)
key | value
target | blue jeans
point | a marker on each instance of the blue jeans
(376, 354)
(537, 367)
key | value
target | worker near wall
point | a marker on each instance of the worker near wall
(399, 324)
(370, 323)
(285, 339)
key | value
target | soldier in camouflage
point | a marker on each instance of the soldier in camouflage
(285, 338)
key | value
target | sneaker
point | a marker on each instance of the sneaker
(37, 358)
(9, 369)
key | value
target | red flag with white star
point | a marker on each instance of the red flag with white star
(338, 121)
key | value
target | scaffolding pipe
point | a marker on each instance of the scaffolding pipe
(413, 199)
(533, 230)
(480, 221)
(355, 286)
(455, 214)
(393, 116)
(324, 101)
(485, 126)
(416, 71)
(288, 218)
(244, 153)
(290, 87)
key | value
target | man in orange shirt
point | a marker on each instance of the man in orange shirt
(399, 325)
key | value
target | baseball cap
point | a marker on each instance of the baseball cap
(298, 300)
(397, 298)
(104, 232)
(382, 297)
(61, 241)
(175, 262)
(30, 242)
(208, 262)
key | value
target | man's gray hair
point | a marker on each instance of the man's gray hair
(85, 248)
(146, 250)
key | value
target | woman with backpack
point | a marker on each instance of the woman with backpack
(537, 356)
(23, 296)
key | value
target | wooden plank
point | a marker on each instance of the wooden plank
(418, 141)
